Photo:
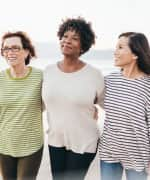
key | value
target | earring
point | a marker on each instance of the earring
(81, 51)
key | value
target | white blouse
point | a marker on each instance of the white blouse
(69, 100)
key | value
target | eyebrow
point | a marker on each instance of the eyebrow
(15, 45)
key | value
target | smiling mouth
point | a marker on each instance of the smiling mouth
(67, 47)
(11, 58)
(116, 59)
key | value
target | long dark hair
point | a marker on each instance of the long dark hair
(139, 45)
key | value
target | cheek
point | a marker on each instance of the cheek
(78, 50)
(25, 54)
(61, 42)
(78, 47)
(21, 57)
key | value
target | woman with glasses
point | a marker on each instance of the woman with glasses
(21, 130)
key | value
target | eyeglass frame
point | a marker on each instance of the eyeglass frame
(14, 49)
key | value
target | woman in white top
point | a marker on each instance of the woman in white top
(125, 143)
(70, 89)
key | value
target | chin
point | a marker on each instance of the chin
(117, 64)
(65, 53)
(12, 64)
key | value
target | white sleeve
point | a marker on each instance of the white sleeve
(100, 98)
(100, 91)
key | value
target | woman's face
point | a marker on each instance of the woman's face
(71, 44)
(13, 51)
(123, 54)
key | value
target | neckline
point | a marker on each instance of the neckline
(18, 78)
(72, 73)
(134, 79)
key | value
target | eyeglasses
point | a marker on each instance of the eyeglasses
(12, 49)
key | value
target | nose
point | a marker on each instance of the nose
(115, 52)
(67, 40)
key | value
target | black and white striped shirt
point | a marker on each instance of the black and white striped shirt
(126, 135)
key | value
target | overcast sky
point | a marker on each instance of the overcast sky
(41, 18)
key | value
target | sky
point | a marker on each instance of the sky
(41, 18)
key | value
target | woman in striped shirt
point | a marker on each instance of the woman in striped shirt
(125, 143)
(21, 131)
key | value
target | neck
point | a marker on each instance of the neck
(133, 72)
(70, 65)
(70, 61)
(19, 71)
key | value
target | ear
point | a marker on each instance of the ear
(81, 51)
(135, 57)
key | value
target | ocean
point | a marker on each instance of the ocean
(105, 65)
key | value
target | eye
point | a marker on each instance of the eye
(75, 38)
(65, 36)
(16, 47)
(5, 48)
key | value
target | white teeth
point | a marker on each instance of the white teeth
(11, 59)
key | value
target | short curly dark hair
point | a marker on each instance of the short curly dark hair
(80, 26)
(26, 43)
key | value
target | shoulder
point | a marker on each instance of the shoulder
(146, 82)
(34, 69)
(113, 75)
(95, 71)
(96, 76)
(50, 67)
(37, 72)
(3, 73)
(148, 79)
